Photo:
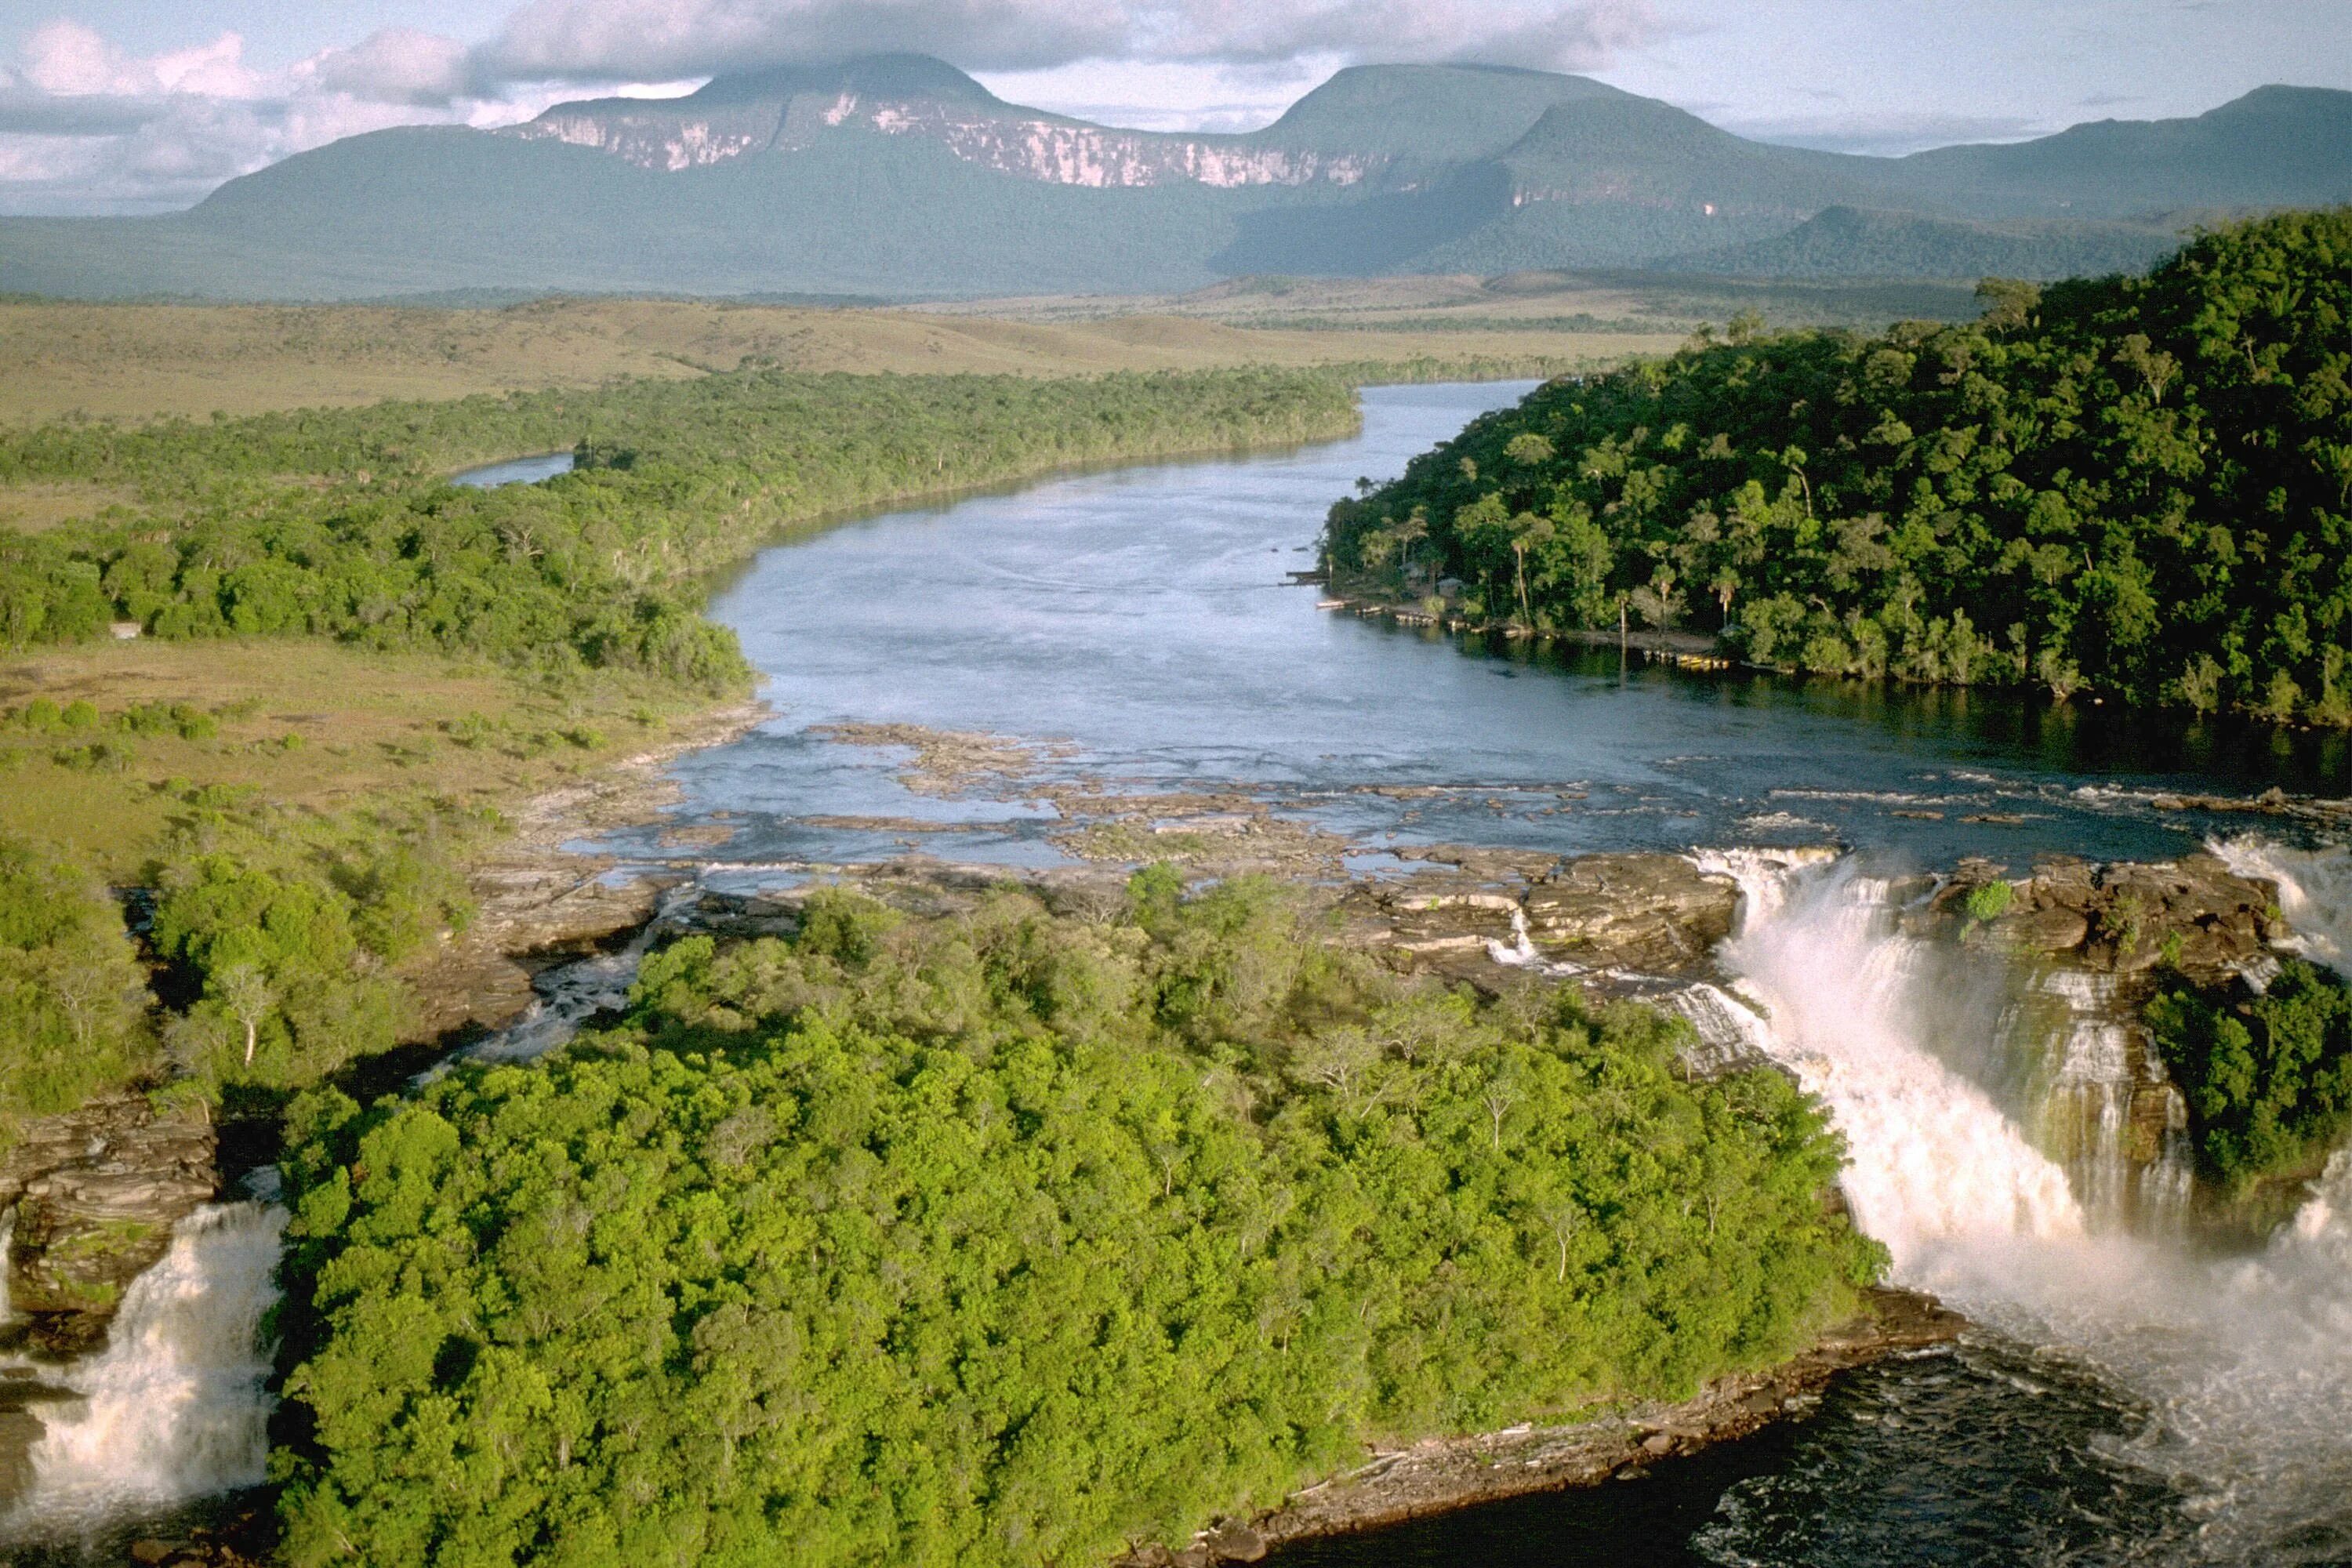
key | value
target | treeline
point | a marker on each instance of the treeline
(336, 523)
(2135, 485)
(1011, 1238)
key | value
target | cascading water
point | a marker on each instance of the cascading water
(173, 1407)
(2314, 892)
(2244, 1363)
(1852, 1003)
(176, 1407)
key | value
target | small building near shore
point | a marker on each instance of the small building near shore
(124, 631)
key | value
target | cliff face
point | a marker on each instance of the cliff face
(674, 135)
(95, 1194)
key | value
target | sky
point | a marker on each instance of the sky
(132, 106)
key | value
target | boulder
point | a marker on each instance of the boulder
(1653, 913)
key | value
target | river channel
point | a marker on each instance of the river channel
(1139, 621)
(2127, 1397)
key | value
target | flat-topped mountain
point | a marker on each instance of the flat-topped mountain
(898, 174)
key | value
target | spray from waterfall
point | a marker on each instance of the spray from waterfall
(2242, 1361)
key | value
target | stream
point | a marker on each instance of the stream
(2132, 1394)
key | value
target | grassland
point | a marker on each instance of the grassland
(303, 723)
(140, 361)
(1588, 306)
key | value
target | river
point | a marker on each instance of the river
(2130, 1399)
(2131, 1395)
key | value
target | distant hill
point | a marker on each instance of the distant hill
(1858, 242)
(899, 175)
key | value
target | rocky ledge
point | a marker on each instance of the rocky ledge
(1442, 1474)
(96, 1192)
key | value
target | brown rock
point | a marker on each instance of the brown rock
(1235, 1542)
(97, 1192)
(2053, 928)
(1655, 913)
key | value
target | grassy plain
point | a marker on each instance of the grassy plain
(303, 722)
(141, 360)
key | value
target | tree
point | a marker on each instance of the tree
(246, 992)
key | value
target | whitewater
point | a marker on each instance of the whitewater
(2243, 1361)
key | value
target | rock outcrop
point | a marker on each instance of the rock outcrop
(2193, 915)
(1442, 1474)
(95, 1194)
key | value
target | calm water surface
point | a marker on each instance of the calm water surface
(515, 471)
(1143, 617)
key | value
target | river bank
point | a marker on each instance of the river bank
(1440, 1475)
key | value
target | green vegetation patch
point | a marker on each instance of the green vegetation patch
(2141, 486)
(73, 996)
(2268, 1079)
(337, 524)
(1012, 1237)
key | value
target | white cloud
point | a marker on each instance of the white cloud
(394, 65)
(610, 38)
(86, 126)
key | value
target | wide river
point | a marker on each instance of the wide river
(1142, 619)
(2128, 1401)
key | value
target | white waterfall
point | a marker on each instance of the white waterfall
(1853, 1006)
(2245, 1362)
(173, 1408)
(2314, 892)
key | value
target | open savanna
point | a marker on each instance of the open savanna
(303, 723)
(1621, 312)
(143, 360)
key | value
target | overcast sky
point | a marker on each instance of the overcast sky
(144, 105)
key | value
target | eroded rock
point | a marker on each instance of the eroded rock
(96, 1193)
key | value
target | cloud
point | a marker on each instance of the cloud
(1886, 135)
(395, 65)
(86, 126)
(602, 38)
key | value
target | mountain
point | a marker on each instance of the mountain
(900, 175)
(1857, 242)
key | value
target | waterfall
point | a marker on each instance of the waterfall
(8, 1241)
(2314, 892)
(1852, 1003)
(173, 1408)
(2244, 1362)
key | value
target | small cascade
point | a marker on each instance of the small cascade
(2314, 892)
(567, 996)
(173, 1408)
(1852, 1002)
(2103, 1109)
(8, 1241)
(1519, 952)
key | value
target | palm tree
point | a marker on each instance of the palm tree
(1527, 529)
(1410, 532)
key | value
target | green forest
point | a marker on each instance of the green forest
(2268, 1076)
(337, 524)
(2139, 486)
(1012, 1237)
(274, 928)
